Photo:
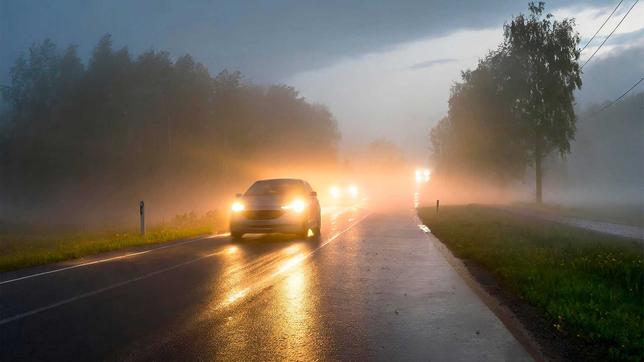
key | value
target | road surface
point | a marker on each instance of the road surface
(374, 288)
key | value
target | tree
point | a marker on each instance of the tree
(540, 60)
(479, 136)
(516, 107)
(123, 128)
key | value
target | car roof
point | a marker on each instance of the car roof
(286, 180)
(278, 180)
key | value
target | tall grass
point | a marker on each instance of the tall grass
(26, 247)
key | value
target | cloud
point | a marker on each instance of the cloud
(607, 77)
(432, 62)
(266, 40)
(389, 93)
(376, 95)
(628, 39)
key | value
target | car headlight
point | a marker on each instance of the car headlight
(297, 206)
(237, 206)
(353, 191)
(335, 192)
(423, 175)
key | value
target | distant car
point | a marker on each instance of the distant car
(287, 206)
(344, 194)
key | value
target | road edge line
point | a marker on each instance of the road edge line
(508, 318)
(118, 257)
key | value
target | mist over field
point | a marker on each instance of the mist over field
(606, 164)
(88, 131)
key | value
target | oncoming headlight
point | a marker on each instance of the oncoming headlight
(237, 206)
(353, 191)
(423, 175)
(297, 206)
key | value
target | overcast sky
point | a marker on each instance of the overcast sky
(384, 68)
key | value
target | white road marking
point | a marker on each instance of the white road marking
(329, 240)
(424, 228)
(101, 290)
(110, 259)
(265, 282)
(145, 276)
(326, 211)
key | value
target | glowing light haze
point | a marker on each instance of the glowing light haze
(384, 68)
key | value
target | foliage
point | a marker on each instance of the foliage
(480, 135)
(122, 128)
(590, 286)
(517, 105)
(541, 57)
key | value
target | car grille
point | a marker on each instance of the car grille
(263, 214)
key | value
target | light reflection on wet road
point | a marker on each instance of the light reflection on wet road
(369, 289)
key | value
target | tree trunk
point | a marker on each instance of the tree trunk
(537, 168)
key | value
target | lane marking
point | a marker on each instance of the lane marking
(260, 285)
(101, 290)
(125, 256)
(145, 276)
(327, 241)
(424, 228)
(129, 255)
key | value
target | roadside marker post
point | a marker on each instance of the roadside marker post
(437, 205)
(142, 213)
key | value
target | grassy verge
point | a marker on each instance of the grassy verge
(589, 286)
(29, 247)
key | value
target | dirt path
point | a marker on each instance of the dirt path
(626, 231)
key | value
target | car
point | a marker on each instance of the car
(348, 194)
(284, 205)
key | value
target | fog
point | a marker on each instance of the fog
(606, 164)
(88, 131)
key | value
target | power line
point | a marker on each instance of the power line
(600, 28)
(623, 95)
(609, 35)
(618, 98)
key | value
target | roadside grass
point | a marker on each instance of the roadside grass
(24, 247)
(588, 285)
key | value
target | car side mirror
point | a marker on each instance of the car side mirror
(314, 194)
(238, 195)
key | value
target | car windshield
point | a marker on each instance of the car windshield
(275, 187)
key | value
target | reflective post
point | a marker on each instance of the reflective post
(437, 204)
(142, 213)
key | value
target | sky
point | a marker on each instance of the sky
(383, 67)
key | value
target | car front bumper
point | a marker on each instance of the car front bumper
(287, 222)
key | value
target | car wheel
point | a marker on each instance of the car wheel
(235, 235)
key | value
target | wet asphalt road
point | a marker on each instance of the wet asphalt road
(373, 288)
